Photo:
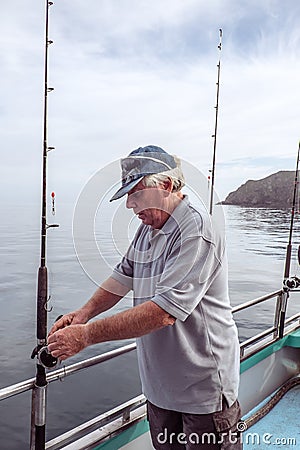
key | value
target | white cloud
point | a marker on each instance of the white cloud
(128, 73)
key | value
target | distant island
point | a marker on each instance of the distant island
(274, 191)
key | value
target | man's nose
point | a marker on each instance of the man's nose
(130, 203)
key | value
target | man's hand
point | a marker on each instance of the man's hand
(132, 323)
(105, 297)
(68, 341)
(73, 318)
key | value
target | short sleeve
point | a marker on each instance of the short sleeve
(189, 271)
(123, 272)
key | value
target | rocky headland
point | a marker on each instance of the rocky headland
(274, 191)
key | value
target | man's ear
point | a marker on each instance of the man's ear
(168, 185)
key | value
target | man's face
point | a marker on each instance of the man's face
(149, 204)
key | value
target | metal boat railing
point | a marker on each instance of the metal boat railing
(59, 374)
(124, 411)
(247, 347)
(272, 334)
(124, 415)
(256, 301)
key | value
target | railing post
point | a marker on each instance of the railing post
(282, 312)
(32, 427)
(278, 308)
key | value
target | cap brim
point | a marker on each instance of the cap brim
(125, 189)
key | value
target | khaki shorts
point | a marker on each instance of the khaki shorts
(172, 430)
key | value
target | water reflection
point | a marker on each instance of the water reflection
(256, 240)
(264, 231)
(256, 244)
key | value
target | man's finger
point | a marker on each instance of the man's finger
(52, 330)
(60, 324)
(56, 353)
(57, 326)
(51, 339)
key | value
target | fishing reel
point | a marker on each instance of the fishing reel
(291, 283)
(44, 357)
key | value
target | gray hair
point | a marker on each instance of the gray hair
(175, 175)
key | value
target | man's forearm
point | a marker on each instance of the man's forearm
(135, 322)
(105, 297)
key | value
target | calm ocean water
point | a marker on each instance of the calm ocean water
(256, 242)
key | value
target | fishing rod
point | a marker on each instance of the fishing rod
(289, 246)
(294, 282)
(216, 129)
(44, 359)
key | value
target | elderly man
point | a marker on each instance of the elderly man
(187, 345)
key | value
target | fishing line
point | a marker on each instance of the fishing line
(53, 203)
(51, 274)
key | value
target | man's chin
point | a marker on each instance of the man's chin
(143, 217)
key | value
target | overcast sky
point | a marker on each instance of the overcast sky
(128, 73)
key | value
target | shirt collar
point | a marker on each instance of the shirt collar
(175, 218)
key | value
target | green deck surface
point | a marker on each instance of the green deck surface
(279, 429)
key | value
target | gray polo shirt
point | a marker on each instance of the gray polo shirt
(182, 267)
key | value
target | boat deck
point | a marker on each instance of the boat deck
(279, 428)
